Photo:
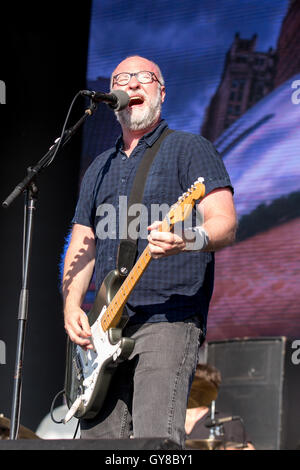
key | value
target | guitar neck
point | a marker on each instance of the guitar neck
(113, 312)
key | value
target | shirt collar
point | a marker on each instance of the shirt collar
(149, 138)
(153, 135)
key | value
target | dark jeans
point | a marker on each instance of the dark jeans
(149, 392)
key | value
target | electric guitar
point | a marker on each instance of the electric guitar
(88, 372)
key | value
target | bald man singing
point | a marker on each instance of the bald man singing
(167, 311)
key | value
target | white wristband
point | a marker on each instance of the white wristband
(200, 238)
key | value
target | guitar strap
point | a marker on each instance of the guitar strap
(127, 250)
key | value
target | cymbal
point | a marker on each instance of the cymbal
(203, 444)
(24, 433)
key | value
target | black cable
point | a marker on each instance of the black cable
(245, 443)
(74, 437)
(61, 421)
(52, 407)
(63, 130)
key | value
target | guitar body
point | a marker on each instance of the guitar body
(88, 373)
(95, 368)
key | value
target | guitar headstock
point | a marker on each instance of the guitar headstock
(183, 207)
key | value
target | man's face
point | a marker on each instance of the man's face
(145, 102)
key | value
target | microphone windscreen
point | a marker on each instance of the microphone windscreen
(122, 100)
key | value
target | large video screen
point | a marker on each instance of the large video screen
(232, 73)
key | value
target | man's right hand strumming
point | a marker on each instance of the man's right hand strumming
(78, 328)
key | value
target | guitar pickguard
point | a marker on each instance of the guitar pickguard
(94, 368)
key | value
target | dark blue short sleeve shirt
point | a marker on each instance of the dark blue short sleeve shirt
(171, 288)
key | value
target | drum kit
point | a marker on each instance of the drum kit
(193, 444)
(216, 439)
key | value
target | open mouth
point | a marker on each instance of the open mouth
(136, 101)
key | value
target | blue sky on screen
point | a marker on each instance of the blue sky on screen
(188, 39)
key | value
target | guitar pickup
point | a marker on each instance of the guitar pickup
(78, 365)
(117, 354)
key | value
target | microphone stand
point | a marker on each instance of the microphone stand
(28, 185)
(212, 434)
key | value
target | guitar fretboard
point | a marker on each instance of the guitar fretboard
(114, 310)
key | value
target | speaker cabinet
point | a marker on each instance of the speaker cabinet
(261, 384)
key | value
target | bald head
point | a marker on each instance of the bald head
(136, 63)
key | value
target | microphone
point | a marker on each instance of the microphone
(116, 100)
(217, 422)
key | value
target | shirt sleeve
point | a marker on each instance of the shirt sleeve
(203, 160)
(84, 212)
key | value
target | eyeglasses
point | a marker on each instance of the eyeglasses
(143, 77)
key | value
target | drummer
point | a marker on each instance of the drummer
(204, 391)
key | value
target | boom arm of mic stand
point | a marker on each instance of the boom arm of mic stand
(47, 158)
